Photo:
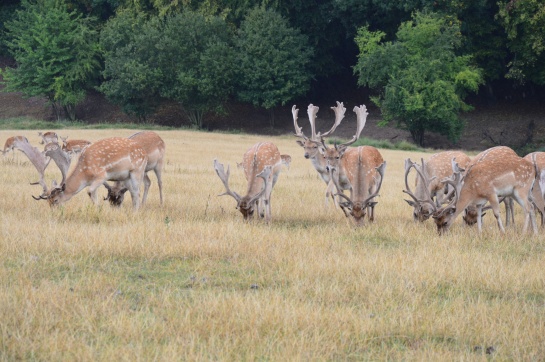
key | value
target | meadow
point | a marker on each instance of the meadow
(190, 280)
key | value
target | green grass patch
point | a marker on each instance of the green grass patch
(27, 123)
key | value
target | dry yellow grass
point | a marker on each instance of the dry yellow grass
(192, 281)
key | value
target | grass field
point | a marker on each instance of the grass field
(192, 281)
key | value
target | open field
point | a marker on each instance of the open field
(192, 281)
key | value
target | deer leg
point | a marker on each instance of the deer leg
(158, 172)
(495, 206)
(480, 217)
(133, 184)
(93, 188)
(528, 210)
(147, 183)
(329, 193)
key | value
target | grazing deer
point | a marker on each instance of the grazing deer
(73, 147)
(154, 146)
(311, 145)
(48, 137)
(110, 159)
(538, 191)
(360, 170)
(12, 143)
(494, 173)
(430, 189)
(262, 164)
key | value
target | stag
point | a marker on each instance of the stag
(492, 175)
(110, 159)
(359, 170)
(262, 164)
(430, 189)
(311, 145)
(154, 146)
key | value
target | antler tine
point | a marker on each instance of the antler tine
(265, 175)
(312, 111)
(224, 177)
(361, 115)
(408, 165)
(339, 116)
(380, 169)
(298, 130)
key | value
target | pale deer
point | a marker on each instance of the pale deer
(359, 170)
(48, 137)
(73, 147)
(110, 159)
(311, 145)
(430, 189)
(155, 149)
(538, 191)
(12, 143)
(493, 174)
(262, 164)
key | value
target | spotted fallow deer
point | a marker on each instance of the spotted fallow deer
(311, 145)
(493, 174)
(48, 137)
(359, 170)
(430, 190)
(262, 164)
(155, 149)
(538, 191)
(73, 147)
(12, 143)
(110, 159)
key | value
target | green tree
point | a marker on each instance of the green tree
(57, 54)
(524, 22)
(273, 60)
(131, 79)
(421, 80)
(196, 56)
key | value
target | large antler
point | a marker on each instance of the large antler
(40, 162)
(420, 170)
(361, 115)
(61, 158)
(339, 116)
(380, 169)
(298, 130)
(224, 177)
(312, 111)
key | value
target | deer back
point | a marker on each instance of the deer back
(359, 165)
(153, 145)
(439, 165)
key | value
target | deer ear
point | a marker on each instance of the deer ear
(300, 143)
(410, 202)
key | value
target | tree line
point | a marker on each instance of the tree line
(419, 59)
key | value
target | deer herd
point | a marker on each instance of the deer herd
(447, 184)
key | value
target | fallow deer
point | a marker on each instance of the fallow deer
(155, 149)
(360, 170)
(493, 174)
(430, 189)
(48, 137)
(311, 145)
(538, 191)
(73, 147)
(110, 159)
(262, 164)
(12, 143)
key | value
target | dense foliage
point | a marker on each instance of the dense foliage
(268, 53)
(420, 78)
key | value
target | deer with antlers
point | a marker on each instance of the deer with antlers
(311, 145)
(13, 142)
(491, 175)
(430, 190)
(155, 150)
(262, 164)
(110, 159)
(359, 170)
